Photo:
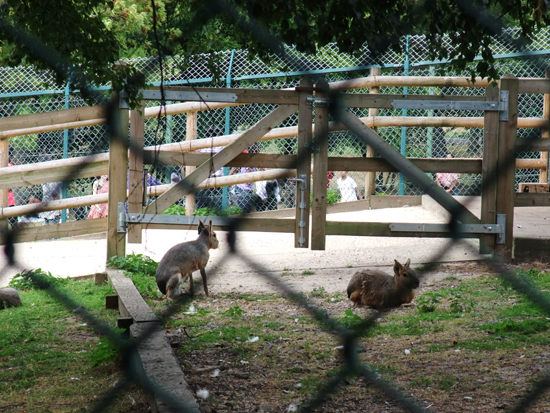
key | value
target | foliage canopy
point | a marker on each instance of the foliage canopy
(92, 35)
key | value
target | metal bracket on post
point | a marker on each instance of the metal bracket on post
(122, 223)
(497, 229)
(302, 206)
(309, 100)
(501, 220)
(504, 101)
(501, 106)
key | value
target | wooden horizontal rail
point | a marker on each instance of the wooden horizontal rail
(526, 199)
(376, 121)
(67, 229)
(381, 229)
(35, 120)
(236, 95)
(87, 200)
(285, 225)
(380, 100)
(536, 145)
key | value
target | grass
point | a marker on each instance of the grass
(51, 359)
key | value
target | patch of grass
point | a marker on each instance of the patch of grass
(446, 382)
(48, 349)
(141, 269)
(308, 272)
(318, 292)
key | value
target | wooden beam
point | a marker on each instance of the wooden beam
(63, 230)
(534, 86)
(235, 95)
(50, 118)
(463, 165)
(399, 81)
(245, 224)
(320, 168)
(187, 184)
(135, 174)
(118, 166)
(381, 229)
(191, 135)
(303, 167)
(543, 177)
(370, 178)
(506, 169)
(54, 171)
(488, 175)
(384, 100)
(527, 199)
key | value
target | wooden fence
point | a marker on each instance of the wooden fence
(498, 198)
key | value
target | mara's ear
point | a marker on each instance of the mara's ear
(210, 227)
(397, 268)
(201, 226)
(407, 264)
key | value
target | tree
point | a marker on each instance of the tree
(93, 34)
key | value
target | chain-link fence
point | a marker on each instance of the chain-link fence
(24, 90)
(437, 143)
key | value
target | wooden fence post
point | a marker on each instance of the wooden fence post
(370, 179)
(543, 177)
(118, 166)
(506, 167)
(136, 179)
(191, 134)
(4, 161)
(489, 169)
(303, 168)
(320, 167)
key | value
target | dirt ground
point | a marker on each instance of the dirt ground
(302, 356)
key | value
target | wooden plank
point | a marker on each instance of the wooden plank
(304, 166)
(506, 167)
(191, 134)
(534, 86)
(67, 229)
(54, 171)
(370, 178)
(220, 159)
(543, 177)
(244, 224)
(426, 165)
(536, 145)
(118, 166)
(528, 199)
(4, 192)
(384, 100)
(258, 160)
(320, 169)
(161, 366)
(135, 175)
(488, 176)
(235, 95)
(52, 128)
(50, 118)
(381, 229)
(130, 301)
(531, 187)
(400, 81)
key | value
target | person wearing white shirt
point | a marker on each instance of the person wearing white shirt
(348, 188)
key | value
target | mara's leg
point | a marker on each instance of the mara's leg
(203, 274)
(191, 291)
(173, 285)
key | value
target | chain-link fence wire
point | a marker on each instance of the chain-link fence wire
(352, 365)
